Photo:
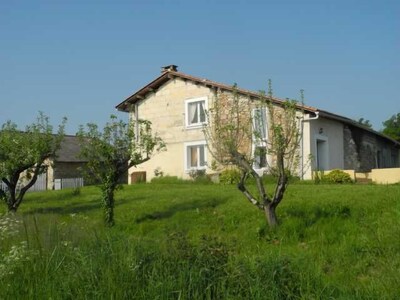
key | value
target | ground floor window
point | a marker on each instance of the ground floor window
(195, 155)
(260, 157)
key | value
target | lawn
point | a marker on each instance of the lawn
(203, 241)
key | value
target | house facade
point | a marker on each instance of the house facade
(176, 103)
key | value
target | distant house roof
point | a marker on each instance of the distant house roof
(69, 150)
(171, 72)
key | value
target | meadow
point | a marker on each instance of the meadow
(182, 240)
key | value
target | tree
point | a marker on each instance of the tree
(112, 151)
(364, 122)
(392, 127)
(23, 155)
(237, 136)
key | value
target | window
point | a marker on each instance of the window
(195, 155)
(260, 124)
(260, 157)
(196, 112)
(259, 138)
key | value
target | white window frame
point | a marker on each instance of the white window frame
(190, 101)
(258, 142)
(185, 158)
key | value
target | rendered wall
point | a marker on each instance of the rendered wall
(385, 176)
(329, 131)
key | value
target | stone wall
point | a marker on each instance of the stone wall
(165, 108)
(364, 150)
(351, 158)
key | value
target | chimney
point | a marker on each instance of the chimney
(169, 68)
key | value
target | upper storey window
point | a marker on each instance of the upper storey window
(195, 111)
(259, 138)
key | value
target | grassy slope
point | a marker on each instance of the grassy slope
(334, 241)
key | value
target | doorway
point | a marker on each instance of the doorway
(322, 158)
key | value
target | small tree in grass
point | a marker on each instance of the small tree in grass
(112, 151)
(23, 155)
(237, 135)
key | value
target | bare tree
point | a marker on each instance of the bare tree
(244, 133)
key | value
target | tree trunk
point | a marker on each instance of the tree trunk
(270, 214)
(108, 203)
(11, 197)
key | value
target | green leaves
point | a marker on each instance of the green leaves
(112, 151)
(392, 127)
(24, 152)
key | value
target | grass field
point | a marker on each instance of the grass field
(203, 241)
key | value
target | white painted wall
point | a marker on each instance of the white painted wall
(329, 131)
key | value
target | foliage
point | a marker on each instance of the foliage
(318, 176)
(23, 155)
(392, 127)
(158, 172)
(196, 173)
(112, 151)
(337, 176)
(238, 135)
(229, 176)
(364, 122)
(15, 254)
(199, 176)
(167, 179)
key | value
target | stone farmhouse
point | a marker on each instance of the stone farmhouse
(175, 103)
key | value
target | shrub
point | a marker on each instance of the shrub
(229, 176)
(318, 176)
(158, 172)
(337, 176)
(167, 179)
(76, 191)
(194, 174)
(199, 176)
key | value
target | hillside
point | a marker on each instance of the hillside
(191, 241)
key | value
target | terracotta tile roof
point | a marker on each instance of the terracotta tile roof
(169, 74)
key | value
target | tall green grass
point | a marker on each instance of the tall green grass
(194, 241)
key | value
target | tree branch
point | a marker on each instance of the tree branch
(38, 170)
(282, 181)
(241, 186)
(242, 162)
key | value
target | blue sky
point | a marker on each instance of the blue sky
(81, 58)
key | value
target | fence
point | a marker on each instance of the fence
(41, 184)
(3, 186)
(64, 183)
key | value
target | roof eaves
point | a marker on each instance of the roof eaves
(155, 84)
(164, 77)
(231, 88)
(351, 122)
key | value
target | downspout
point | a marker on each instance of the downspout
(137, 121)
(302, 139)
